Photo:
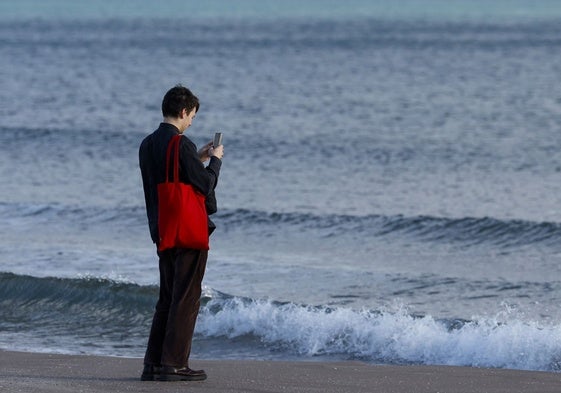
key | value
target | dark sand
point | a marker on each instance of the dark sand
(32, 372)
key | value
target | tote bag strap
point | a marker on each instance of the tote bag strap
(173, 143)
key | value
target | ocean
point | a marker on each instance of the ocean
(390, 190)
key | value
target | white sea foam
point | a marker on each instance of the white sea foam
(112, 276)
(387, 337)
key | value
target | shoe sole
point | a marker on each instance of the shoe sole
(179, 377)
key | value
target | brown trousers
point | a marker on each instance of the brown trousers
(181, 276)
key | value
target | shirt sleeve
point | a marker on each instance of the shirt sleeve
(193, 171)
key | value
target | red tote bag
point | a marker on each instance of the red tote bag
(182, 218)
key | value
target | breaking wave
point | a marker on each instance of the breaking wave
(100, 315)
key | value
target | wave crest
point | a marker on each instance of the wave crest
(464, 232)
(468, 231)
(395, 337)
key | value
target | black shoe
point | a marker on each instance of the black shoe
(168, 373)
(150, 372)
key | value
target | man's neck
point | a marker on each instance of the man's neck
(174, 122)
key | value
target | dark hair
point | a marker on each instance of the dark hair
(178, 98)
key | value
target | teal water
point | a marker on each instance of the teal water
(481, 10)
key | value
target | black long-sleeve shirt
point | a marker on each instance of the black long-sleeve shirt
(152, 159)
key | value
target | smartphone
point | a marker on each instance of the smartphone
(217, 139)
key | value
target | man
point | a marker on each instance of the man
(181, 270)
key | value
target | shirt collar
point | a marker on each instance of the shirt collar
(169, 128)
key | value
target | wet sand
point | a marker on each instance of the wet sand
(47, 373)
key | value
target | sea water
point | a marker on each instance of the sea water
(390, 192)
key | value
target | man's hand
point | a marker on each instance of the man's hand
(217, 151)
(204, 152)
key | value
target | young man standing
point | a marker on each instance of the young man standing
(181, 270)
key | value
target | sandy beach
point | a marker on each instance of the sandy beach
(46, 373)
